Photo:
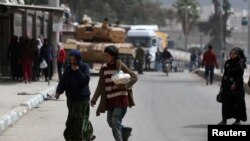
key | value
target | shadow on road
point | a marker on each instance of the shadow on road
(196, 126)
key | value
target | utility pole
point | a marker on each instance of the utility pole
(186, 28)
(53, 36)
(248, 31)
(222, 39)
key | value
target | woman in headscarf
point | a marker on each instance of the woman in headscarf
(75, 83)
(13, 55)
(27, 60)
(114, 98)
(232, 88)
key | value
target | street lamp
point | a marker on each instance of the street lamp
(248, 27)
(222, 41)
(186, 26)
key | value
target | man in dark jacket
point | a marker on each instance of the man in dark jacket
(75, 82)
(165, 57)
(46, 53)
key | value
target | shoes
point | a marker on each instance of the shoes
(126, 132)
(91, 138)
(236, 123)
(222, 123)
(206, 82)
(211, 82)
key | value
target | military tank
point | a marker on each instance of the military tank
(91, 39)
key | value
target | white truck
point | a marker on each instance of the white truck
(145, 34)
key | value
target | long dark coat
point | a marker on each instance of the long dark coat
(233, 102)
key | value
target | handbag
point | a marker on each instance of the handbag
(219, 97)
(43, 64)
(119, 77)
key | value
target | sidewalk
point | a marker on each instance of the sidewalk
(218, 76)
(17, 98)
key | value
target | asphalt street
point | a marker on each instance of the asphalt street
(177, 107)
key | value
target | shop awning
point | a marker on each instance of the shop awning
(33, 7)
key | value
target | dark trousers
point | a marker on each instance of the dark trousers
(48, 72)
(139, 66)
(14, 69)
(36, 72)
(147, 65)
(209, 70)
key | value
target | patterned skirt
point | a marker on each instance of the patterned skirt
(78, 126)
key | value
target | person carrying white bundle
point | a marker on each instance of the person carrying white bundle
(120, 77)
(115, 98)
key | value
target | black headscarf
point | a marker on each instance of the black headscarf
(241, 56)
(112, 50)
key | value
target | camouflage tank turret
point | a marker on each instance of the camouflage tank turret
(97, 33)
(91, 39)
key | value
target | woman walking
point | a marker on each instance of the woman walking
(232, 88)
(114, 98)
(75, 81)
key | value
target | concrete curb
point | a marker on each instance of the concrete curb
(11, 117)
(218, 77)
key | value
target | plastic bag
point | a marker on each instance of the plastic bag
(43, 65)
(119, 77)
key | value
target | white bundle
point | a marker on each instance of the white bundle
(120, 77)
(43, 65)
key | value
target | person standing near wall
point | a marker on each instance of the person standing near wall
(46, 53)
(61, 57)
(27, 60)
(13, 57)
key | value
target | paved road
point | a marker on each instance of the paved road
(174, 108)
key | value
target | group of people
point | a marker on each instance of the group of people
(142, 58)
(114, 98)
(232, 93)
(25, 56)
